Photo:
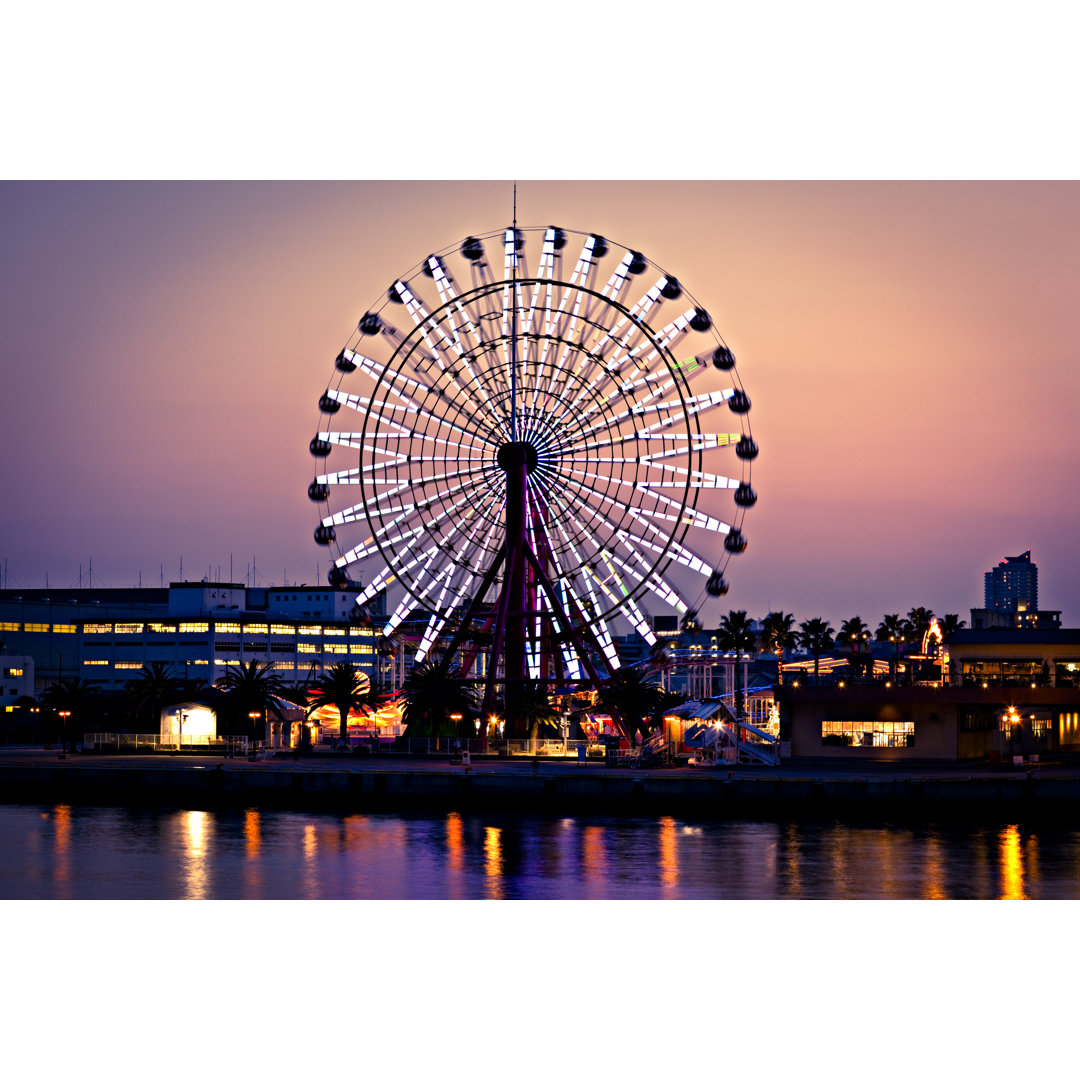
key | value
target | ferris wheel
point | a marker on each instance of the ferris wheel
(537, 433)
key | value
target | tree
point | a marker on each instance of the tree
(345, 689)
(853, 633)
(532, 709)
(736, 635)
(251, 687)
(72, 700)
(778, 636)
(815, 635)
(433, 693)
(155, 686)
(919, 619)
(950, 624)
(630, 694)
(893, 628)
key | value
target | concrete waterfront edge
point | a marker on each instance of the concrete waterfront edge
(620, 793)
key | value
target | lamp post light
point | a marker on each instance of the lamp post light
(64, 714)
(180, 730)
(253, 716)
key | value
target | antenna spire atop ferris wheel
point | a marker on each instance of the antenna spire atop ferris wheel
(514, 328)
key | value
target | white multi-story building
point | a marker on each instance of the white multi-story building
(198, 629)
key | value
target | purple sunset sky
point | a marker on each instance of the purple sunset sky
(909, 348)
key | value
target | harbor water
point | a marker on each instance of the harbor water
(73, 852)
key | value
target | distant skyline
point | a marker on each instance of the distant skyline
(909, 348)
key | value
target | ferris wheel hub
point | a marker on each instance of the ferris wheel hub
(512, 455)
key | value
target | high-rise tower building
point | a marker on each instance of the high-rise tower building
(1013, 585)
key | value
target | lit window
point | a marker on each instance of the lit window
(333, 631)
(256, 628)
(283, 665)
(361, 631)
(361, 649)
(194, 628)
(97, 628)
(13, 673)
(161, 628)
(129, 627)
(330, 647)
(63, 628)
(37, 627)
(9, 626)
(310, 631)
(128, 665)
(95, 663)
(227, 627)
(307, 647)
(868, 733)
(281, 628)
(226, 663)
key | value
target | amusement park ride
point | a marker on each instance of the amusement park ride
(530, 456)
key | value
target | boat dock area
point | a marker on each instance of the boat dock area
(348, 783)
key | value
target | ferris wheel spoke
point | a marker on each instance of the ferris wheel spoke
(429, 327)
(442, 610)
(674, 410)
(407, 390)
(626, 601)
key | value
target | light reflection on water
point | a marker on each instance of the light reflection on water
(71, 852)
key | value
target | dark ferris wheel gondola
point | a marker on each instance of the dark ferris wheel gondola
(576, 404)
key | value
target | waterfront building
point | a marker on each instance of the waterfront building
(1009, 692)
(199, 629)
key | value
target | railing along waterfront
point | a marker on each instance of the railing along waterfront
(111, 740)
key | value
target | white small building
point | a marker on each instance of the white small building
(190, 722)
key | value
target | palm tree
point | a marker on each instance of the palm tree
(778, 636)
(432, 693)
(893, 628)
(736, 635)
(852, 633)
(71, 700)
(347, 690)
(815, 635)
(532, 708)
(155, 686)
(950, 624)
(919, 619)
(630, 695)
(251, 687)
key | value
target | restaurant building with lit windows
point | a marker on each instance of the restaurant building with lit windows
(198, 629)
(1007, 693)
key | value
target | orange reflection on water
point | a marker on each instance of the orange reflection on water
(455, 842)
(669, 855)
(196, 824)
(934, 866)
(62, 842)
(493, 862)
(594, 855)
(1011, 857)
(252, 835)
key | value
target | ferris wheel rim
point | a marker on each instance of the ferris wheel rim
(411, 342)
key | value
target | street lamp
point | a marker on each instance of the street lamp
(63, 714)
